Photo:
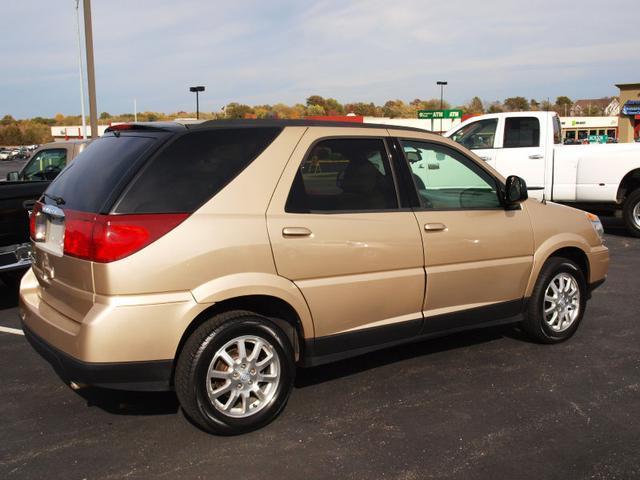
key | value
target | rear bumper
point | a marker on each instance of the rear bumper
(15, 257)
(145, 376)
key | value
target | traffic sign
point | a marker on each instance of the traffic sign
(431, 114)
(598, 138)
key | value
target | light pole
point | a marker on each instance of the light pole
(84, 120)
(91, 75)
(442, 84)
(197, 91)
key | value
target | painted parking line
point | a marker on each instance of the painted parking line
(15, 331)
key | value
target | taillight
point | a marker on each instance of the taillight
(37, 224)
(106, 238)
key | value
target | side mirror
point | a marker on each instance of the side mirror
(515, 191)
(12, 177)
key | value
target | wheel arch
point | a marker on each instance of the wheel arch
(569, 250)
(629, 183)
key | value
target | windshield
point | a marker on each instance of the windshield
(477, 135)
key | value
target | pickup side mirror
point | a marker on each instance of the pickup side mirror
(515, 191)
(12, 177)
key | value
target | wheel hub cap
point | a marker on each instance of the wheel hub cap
(561, 304)
(243, 376)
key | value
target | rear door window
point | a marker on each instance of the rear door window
(88, 182)
(521, 132)
(344, 174)
(193, 168)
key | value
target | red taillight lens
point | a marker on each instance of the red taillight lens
(32, 220)
(106, 238)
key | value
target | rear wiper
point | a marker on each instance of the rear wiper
(58, 200)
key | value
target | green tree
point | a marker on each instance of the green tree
(495, 107)
(11, 135)
(316, 110)
(534, 104)
(333, 107)
(516, 104)
(316, 100)
(7, 120)
(474, 106)
(394, 109)
(237, 110)
(105, 115)
(365, 109)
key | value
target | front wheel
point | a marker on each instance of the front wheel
(235, 373)
(558, 302)
(631, 212)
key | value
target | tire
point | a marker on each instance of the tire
(206, 380)
(631, 213)
(569, 306)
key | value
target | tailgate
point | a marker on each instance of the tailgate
(66, 283)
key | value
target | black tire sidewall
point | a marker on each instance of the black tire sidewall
(262, 328)
(632, 200)
(556, 266)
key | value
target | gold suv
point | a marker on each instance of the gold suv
(213, 259)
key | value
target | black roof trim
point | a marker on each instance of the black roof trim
(293, 123)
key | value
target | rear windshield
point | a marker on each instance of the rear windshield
(89, 180)
(193, 168)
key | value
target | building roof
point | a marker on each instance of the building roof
(622, 86)
(594, 102)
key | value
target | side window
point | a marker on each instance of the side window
(477, 135)
(446, 179)
(521, 132)
(344, 174)
(45, 165)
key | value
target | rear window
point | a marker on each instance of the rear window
(193, 168)
(521, 132)
(87, 182)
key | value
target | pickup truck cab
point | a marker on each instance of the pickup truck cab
(600, 178)
(17, 197)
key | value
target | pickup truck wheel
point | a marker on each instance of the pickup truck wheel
(558, 301)
(631, 213)
(235, 373)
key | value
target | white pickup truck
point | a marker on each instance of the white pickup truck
(604, 179)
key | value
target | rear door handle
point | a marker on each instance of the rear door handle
(296, 232)
(435, 227)
(536, 157)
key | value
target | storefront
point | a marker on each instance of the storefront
(629, 123)
(580, 128)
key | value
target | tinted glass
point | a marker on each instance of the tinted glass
(193, 168)
(446, 179)
(557, 130)
(477, 135)
(347, 174)
(45, 165)
(521, 132)
(87, 182)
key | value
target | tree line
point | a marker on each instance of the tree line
(37, 129)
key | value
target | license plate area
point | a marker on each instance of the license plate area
(49, 231)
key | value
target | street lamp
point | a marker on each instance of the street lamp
(442, 84)
(197, 91)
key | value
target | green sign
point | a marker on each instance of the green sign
(598, 138)
(431, 114)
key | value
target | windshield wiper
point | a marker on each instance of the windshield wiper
(58, 200)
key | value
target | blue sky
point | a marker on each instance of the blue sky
(283, 51)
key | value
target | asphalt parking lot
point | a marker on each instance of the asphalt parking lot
(485, 404)
(7, 166)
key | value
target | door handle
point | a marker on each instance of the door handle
(485, 159)
(296, 232)
(536, 157)
(435, 227)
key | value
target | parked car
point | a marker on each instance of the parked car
(5, 154)
(600, 178)
(214, 258)
(18, 195)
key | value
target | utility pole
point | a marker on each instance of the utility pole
(91, 75)
(442, 84)
(84, 120)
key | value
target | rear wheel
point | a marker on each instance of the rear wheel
(558, 302)
(631, 212)
(235, 373)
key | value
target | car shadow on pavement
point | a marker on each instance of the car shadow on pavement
(615, 226)
(8, 296)
(311, 376)
(120, 402)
